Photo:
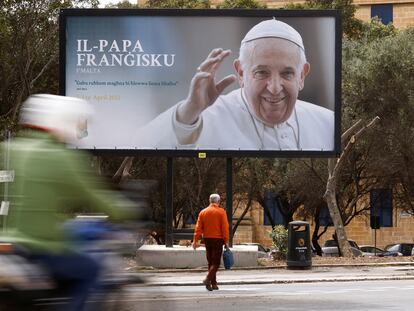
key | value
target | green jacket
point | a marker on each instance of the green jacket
(51, 184)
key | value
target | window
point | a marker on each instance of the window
(325, 219)
(381, 206)
(393, 248)
(273, 206)
(190, 220)
(383, 12)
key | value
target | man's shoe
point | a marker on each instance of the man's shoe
(214, 287)
(207, 283)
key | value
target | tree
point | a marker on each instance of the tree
(352, 27)
(252, 178)
(255, 177)
(181, 4)
(125, 4)
(241, 4)
(379, 82)
(305, 183)
(194, 180)
(367, 63)
(355, 175)
(28, 52)
(348, 138)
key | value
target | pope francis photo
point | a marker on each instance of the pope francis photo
(263, 114)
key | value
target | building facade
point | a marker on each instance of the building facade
(399, 12)
(399, 229)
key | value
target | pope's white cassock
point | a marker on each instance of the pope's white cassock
(230, 124)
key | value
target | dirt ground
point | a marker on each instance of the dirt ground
(318, 260)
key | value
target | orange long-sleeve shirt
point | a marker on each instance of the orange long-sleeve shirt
(212, 223)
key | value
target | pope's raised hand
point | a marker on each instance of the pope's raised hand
(203, 89)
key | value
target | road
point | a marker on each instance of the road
(360, 296)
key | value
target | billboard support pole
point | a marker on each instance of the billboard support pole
(168, 204)
(229, 197)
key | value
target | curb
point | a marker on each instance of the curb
(290, 281)
(278, 267)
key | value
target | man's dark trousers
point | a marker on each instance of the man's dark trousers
(214, 250)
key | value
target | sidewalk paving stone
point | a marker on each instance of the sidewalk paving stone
(323, 273)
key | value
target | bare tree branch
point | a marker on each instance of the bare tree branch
(350, 137)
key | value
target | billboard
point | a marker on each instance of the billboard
(170, 82)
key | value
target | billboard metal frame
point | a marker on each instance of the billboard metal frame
(201, 153)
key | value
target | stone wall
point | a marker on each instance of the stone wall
(404, 15)
(358, 230)
(403, 11)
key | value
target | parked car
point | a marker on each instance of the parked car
(330, 248)
(262, 252)
(369, 250)
(405, 249)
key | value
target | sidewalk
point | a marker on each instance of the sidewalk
(267, 275)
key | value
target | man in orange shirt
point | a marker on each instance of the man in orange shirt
(212, 224)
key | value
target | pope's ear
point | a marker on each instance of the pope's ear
(306, 70)
(239, 71)
(304, 73)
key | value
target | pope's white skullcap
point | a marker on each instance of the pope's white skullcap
(273, 28)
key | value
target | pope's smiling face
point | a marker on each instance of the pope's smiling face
(272, 76)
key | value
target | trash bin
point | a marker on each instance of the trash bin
(299, 253)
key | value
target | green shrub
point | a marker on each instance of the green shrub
(279, 237)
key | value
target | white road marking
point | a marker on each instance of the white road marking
(187, 293)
